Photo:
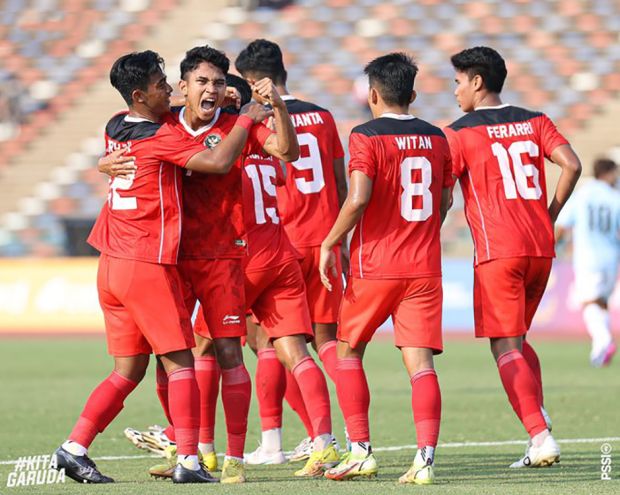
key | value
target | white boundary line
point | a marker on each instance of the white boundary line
(450, 445)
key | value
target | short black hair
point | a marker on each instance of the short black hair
(199, 54)
(133, 71)
(393, 76)
(603, 166)
(484, 62)
(240, 85)
(263, 58)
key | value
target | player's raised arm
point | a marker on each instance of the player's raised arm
(220, 159)
(565, 157)
(283, 144)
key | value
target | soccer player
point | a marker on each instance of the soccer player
(138, 283)
(399, 193)
(498, 153)
(593, 214)
(315, 189)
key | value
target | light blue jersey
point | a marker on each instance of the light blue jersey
(593, 214)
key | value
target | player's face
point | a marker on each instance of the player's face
(464, 91)
(204, 90)
(157, 95)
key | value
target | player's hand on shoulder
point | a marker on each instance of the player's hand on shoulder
(265, 92)
(118, 164)
(256, 112)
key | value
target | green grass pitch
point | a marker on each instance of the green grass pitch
(46, 381)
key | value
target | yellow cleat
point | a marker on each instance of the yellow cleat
(319, 461)
(233, 471)
(165, 470)
(353, 467)
(209, 461)
(421, 471)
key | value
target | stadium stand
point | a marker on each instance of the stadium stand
(564, 59)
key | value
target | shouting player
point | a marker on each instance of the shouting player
(498, 154)
(315, 189)
(593, 214)
(140, 290)
(399, 194)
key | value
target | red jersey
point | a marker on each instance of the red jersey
(142, 217)
(309, 202)
(498, 154)
(213, 203)
(409, 162)
(268, 244)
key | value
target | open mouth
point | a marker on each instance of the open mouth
(207, 104)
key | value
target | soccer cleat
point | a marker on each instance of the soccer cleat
(545, 455)
(166, 470)
(302, 451)
(604, 356)
(183, 475)
(353, 466)
(233, 471)
(421, 471)
(79, 467)
(319, 461)
(153, 440)
(209, 460)
(261, 456)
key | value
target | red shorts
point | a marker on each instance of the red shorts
(143, 307)
(414, 304)
(277, 298)
(218, 285)
(323, 304)
(507, 293)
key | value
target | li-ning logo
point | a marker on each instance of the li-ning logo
(212, 140)
(231, 320)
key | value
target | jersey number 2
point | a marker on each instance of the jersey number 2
(521, 171)
(118, 202)
(411, 189)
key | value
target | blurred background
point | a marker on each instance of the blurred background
(563, 58)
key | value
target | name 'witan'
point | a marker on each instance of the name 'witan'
(414, 142)
(510, 130)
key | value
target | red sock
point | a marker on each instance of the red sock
(208, 378)
(354, 398)
(161, 386)
(169, 432)
(296, 401)
(327, 355)
(184, 400)
(103, 405)
(426, 405)
(532, 360)
(522, 390)
(236, 395)
(270, 387)
(313, 388)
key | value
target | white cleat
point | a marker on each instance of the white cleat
(261, 456)
(153, 440)
(302, 451)
(602, 357)
(545, 455)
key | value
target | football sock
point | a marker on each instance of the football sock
(533, 362)
(327, 355)
(208, 378)
(236, 395)
(354, 398)
(539, 438)
(424, 454)
(184, 400)
(169, 432)
(296, 401)
(361, 449)
(313, 388)
(597, 324)
(271, 440)
(74, 448)
(206, 448)
(426, 406)
(103, 405)
(270, 387)
(522, 390)
(189, 462)
(161, 386)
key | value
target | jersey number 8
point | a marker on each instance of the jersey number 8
(411, 189)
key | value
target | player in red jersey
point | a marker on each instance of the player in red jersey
(498, 154)
(139, 287)
(315, 189)
(399, 193)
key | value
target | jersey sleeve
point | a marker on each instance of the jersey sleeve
(336, 144)
(550, 137)
(361, 155)
(173, 146)
(458, 167)
(258, 136)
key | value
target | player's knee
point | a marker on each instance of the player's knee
(228, 353)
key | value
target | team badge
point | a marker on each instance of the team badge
(212, 140)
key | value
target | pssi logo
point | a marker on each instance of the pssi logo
(212, 140)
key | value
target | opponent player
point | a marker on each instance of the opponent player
(315, 189)
(593, 214)
(139, 287)
(498, 153)
(400, 182)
